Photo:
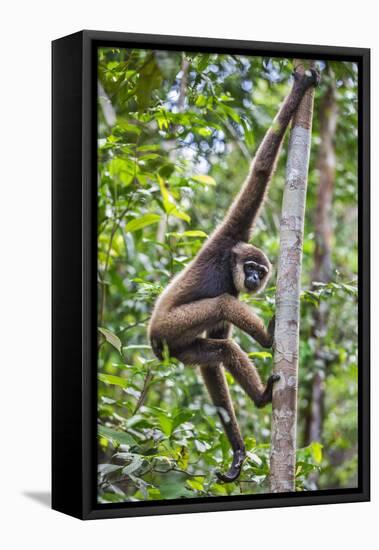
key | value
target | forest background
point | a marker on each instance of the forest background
(177, 132)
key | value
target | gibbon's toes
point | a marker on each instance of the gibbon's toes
(235, 469)
(266, 396)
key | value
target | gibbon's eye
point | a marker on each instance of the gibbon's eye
(250, 265)
(262, 271)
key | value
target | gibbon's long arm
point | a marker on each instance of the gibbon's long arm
(245, 209)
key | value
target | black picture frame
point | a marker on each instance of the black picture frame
(74, 203)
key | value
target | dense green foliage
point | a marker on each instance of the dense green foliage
(176, 136)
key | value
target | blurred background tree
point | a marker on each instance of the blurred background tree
(176, 135)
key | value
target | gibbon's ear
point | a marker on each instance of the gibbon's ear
(234, 258)
(237, 270)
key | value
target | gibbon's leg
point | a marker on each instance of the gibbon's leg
(209, 353)
(218, 389)
(215, 381)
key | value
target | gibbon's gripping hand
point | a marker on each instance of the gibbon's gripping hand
(235, 469)
(310, 78)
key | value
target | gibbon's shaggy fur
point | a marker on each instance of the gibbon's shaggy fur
(204, 297)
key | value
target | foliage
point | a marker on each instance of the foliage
(176, 133)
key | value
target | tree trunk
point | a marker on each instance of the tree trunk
(284, 402)
(322, 271)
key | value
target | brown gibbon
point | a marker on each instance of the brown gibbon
(194, 315)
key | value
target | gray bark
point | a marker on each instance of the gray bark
(284, 403)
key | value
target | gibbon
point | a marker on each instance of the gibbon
(194, 314)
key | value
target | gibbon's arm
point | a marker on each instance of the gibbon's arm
(245, 208)
(242, 316)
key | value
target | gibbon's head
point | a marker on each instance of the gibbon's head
(251, 268)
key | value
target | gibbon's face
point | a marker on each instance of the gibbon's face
(251, 268)
(255, 275)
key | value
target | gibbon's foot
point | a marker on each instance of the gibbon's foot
(270, 382)
(274, 378)
(266, 397)
(235, 469)
(311, 77)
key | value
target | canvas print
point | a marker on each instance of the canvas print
(227, 262)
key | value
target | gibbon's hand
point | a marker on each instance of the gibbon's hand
(311, 77)
(235, 469)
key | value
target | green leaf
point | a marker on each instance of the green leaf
(136, 347)
(150, 78)
(121, 169)
(254, 458)
(201, 101)
(112, 379)
(204, 179)
(231, 112)
(202, 61)
(122, 438)
(196, 483)
(204, 131)
(108, 468)
(165, 423)
(260, 354)
(316, 449)
(201, 446)
(143, 221)
(148, 147)
(195, 233)
(149, 156)
(183, 457)
(169, 203)
(353, 290)
(305, 468)
(174, 490)
(133, 466)
(224, 97)
(111, 338)
(189, 234)
(180, 418)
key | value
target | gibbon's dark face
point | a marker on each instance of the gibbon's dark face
(251, 268)
(255, 275)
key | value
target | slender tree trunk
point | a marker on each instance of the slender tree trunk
(322, 271)
(284, 403)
